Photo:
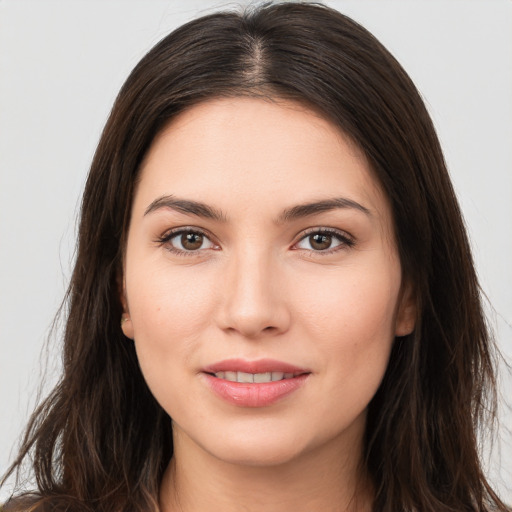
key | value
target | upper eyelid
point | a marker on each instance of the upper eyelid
(172, 232)
(323, 229)
(164, 240)
(346, 240)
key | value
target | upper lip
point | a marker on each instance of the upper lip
(256, 366)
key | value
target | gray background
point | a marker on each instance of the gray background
(61, 65)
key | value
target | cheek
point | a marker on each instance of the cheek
(169, 310)
(353, 303)
(351, 317)
(166, 301)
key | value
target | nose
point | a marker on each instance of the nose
(254, 299)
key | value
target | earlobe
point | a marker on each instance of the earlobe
(126, 325)
(126, 321)
(407, 311)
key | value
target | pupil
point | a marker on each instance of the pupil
(320, 242)
(191, 241)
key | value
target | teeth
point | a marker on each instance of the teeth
(231, 376)
(263, 377)
(253, 377)
(245, 377)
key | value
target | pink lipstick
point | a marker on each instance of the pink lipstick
(254, 383)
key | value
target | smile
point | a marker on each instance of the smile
(254, 377)
(258, 383)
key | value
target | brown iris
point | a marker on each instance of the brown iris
(320, 241)
(191, 241)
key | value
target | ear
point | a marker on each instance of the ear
(126, 319)
(406, 312)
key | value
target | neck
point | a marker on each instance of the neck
(329, 479)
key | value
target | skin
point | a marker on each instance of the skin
(257, 287)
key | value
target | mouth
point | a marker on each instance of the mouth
(258, 371)
(258, 378)
(254, 383)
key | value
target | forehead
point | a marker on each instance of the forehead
(256, 154)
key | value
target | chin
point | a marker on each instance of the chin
(257, 455)
(259, 447)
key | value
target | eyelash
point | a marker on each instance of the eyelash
(169, 235)
(345, 240)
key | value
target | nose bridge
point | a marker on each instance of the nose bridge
(254, 304)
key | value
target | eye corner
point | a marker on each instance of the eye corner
(205, 241)
(334, 239)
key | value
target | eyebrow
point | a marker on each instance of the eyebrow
(289, 214)
(308, 209)
(186, 206)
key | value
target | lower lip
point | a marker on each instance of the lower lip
(252, 394)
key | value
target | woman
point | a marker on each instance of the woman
(272, 255)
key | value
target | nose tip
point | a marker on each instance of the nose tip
(254, 302)
(253, 324)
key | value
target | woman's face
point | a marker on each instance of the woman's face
(262, 284)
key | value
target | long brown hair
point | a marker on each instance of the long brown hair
(101, 442)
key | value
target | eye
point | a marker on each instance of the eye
(186, 241)
(324, 240)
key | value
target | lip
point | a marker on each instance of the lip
(244, 394)
(257, 366)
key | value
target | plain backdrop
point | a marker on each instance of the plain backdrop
(61, 65)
